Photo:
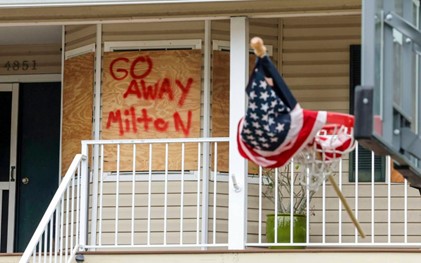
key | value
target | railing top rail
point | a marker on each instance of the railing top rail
(156, 141)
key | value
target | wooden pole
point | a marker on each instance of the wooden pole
(346, 205)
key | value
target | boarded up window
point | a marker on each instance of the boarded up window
(77, 105)
(220, 105)
(148, 95)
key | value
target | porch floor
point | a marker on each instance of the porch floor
(253, 255)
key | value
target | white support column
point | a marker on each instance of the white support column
(239, 57)
(97, 118)
(206, 131)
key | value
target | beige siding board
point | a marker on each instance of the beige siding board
(157, 225)
(320, 32)
(46, 49)
(326, 105)
(309, 81)
(79, 36)
(156, 238)
(310, 46)
(157, 187)
(365, 203)
(47, 57)
(365, 216)
(323, 21)
(153, 31)
(131, 28)
(316, 57)
(141, 200)
(141, 37)
(326, 93)
(340, 69)
(142, 212)
(379, 229)
(74, 33)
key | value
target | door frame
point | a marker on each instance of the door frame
(11, 185)
(11, 83)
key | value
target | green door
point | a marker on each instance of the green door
(38, 155)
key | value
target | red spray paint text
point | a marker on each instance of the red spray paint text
(162, 89)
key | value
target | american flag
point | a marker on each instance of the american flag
(275, 127)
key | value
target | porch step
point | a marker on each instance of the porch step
(10, 257)
(263, 255)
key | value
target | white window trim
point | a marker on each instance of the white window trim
(221, 45)
(157, 44)
(79, 51)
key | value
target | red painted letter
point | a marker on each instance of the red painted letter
(166, 88)
(145, 119)
(115, 117)
(124, 71)
(185, 90)
(148, 90)
(179, 123)
(161, 125)
(133, 89)
(147, 71)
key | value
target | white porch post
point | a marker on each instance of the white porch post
(237, 215)
(84, 184)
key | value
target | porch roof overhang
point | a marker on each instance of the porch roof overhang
(93, 11)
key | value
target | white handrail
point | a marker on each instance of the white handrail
(52, 208)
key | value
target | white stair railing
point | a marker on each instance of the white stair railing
(56, 238)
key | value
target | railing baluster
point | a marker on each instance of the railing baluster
(78, 182)
(215, 182)
(340, 204)
(260, 204)
(182, 194)
(101, 192)
(389, 216)
(133, 194)
(40, 250)
(405, 210)
(149, 195)
(67, 225)
(61, 229)
(50, 248)
(198, 194)
(166, 194)
(356, 192)
(324, 211)
(72, 215)
(117, 195)
(275, 219)
(292, 174)
(373, 179)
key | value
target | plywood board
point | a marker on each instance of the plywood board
(77, 105)
(151, 94)
(220, 105)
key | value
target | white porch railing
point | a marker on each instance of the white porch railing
(174, 193)
(56, 238)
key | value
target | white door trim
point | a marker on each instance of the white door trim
(11, 184)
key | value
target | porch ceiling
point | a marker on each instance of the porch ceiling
(147, 12)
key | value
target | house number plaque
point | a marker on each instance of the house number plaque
(20, 65)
